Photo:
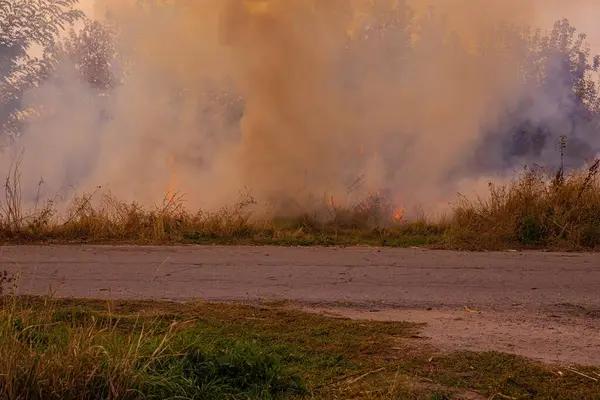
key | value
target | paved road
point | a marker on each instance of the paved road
(541, 305)
(410, 277)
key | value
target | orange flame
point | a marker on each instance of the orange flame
(398, 214)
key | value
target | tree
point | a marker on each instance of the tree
(93, 52)
(28, 31)
(566, 60)
(560, 99)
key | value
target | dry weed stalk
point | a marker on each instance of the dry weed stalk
(535, 210)
(11, 208)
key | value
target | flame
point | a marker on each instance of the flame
(332, 202)
(398, 214)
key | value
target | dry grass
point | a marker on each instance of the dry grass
(101, 218)
(537, 210)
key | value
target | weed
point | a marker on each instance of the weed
(537, 210)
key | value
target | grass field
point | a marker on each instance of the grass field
(68, 349)
(535, 211)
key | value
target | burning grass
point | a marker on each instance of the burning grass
(101, 218)
(69, 349)
(538, 210)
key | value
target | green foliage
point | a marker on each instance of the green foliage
(530, 230)
(238, 369)
(81, 357)
(24, 24)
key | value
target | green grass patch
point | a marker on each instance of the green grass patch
(53, 349)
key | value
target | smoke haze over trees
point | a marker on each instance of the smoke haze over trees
(293, 101)
(563, 101)
(25, 24)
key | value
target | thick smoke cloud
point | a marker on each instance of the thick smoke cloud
(304, 101)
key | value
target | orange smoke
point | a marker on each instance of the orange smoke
(173, 184)
(332, 92)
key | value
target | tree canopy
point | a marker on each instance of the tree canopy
(28, 31)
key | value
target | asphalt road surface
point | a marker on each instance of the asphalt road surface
(539, 304)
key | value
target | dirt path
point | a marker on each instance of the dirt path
(542, 305)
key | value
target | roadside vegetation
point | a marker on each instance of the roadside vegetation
(537, 210)
(68, 349)
(540, 209)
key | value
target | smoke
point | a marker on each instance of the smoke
(296, 101)
(582, 13)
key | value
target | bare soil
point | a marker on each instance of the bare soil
(541, 305)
